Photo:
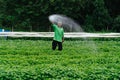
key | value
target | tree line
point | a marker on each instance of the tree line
(32, 15)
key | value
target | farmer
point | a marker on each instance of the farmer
(58, 36)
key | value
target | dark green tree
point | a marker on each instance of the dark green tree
(101, 16)
(113, 7)
(116, 24)
(99, 19)
(32, 15)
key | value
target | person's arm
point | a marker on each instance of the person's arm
(62, 39)
(53, 25)
(63, 36)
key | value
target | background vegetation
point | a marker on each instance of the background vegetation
(32, 15)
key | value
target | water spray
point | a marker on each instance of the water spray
(68, 24)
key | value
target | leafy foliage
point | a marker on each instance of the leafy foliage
(32, 15)
(34, 59)
(116, 24)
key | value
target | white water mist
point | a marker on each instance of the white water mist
(68, 24)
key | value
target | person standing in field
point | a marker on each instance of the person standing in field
(58, 36)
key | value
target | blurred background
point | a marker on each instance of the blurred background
(32, 15)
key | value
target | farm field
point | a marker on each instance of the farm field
(83, 60)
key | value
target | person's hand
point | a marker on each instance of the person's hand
(52, 22)
(62, 40)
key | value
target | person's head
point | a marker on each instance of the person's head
(59, 24)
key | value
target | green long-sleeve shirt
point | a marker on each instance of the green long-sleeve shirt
(58, 33)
